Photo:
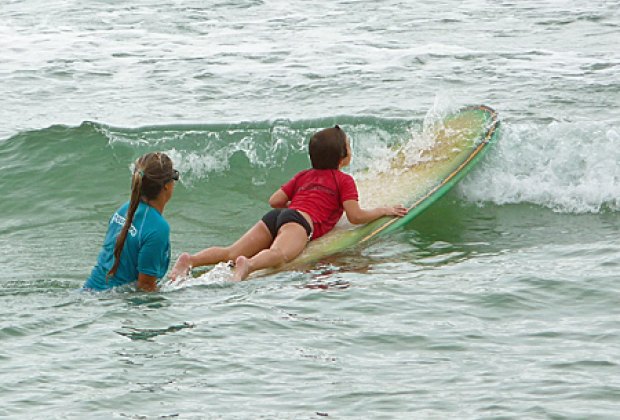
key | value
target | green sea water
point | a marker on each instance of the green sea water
(499, 302)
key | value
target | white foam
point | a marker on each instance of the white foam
(565, 166)
(195, 166)
(380, 148)
(218, 276)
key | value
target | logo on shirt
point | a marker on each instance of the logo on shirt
(120, 220)
(317, 187)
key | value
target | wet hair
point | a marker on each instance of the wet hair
(327, 147)
(151, 172)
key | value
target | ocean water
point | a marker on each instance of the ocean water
(499, 302)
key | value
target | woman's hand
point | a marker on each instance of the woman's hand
(147, 283)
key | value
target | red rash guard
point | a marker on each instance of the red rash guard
(320, 193)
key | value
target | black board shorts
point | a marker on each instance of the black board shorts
(276, 218)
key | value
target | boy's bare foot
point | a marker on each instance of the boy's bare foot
(242, 268)
(181, 267)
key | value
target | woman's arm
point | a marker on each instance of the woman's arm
(279, 199)
(358, 215)
(147, 283)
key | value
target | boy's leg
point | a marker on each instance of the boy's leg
(290, 241)
(253, 241)
(181, 266)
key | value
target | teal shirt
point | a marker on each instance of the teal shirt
(146, 249)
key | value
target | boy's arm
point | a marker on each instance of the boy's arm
(278, 199)
(358, 215)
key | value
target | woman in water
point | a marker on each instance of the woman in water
(136, 248)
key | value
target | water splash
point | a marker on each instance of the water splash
(570, 167)
(219, 276)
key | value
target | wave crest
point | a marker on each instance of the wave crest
(565, 166)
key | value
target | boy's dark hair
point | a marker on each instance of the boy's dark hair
(327, 147)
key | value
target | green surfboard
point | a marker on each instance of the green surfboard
(454, 145)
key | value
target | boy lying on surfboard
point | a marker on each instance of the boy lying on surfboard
(305, 208)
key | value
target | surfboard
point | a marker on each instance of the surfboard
(453, 145)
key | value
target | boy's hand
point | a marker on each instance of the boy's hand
(398, 211)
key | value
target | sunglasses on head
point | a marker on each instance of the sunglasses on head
(175, 175)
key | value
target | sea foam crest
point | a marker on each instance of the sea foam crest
(219, 276)
(200, 151)
(381, 148)
(569, 167)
